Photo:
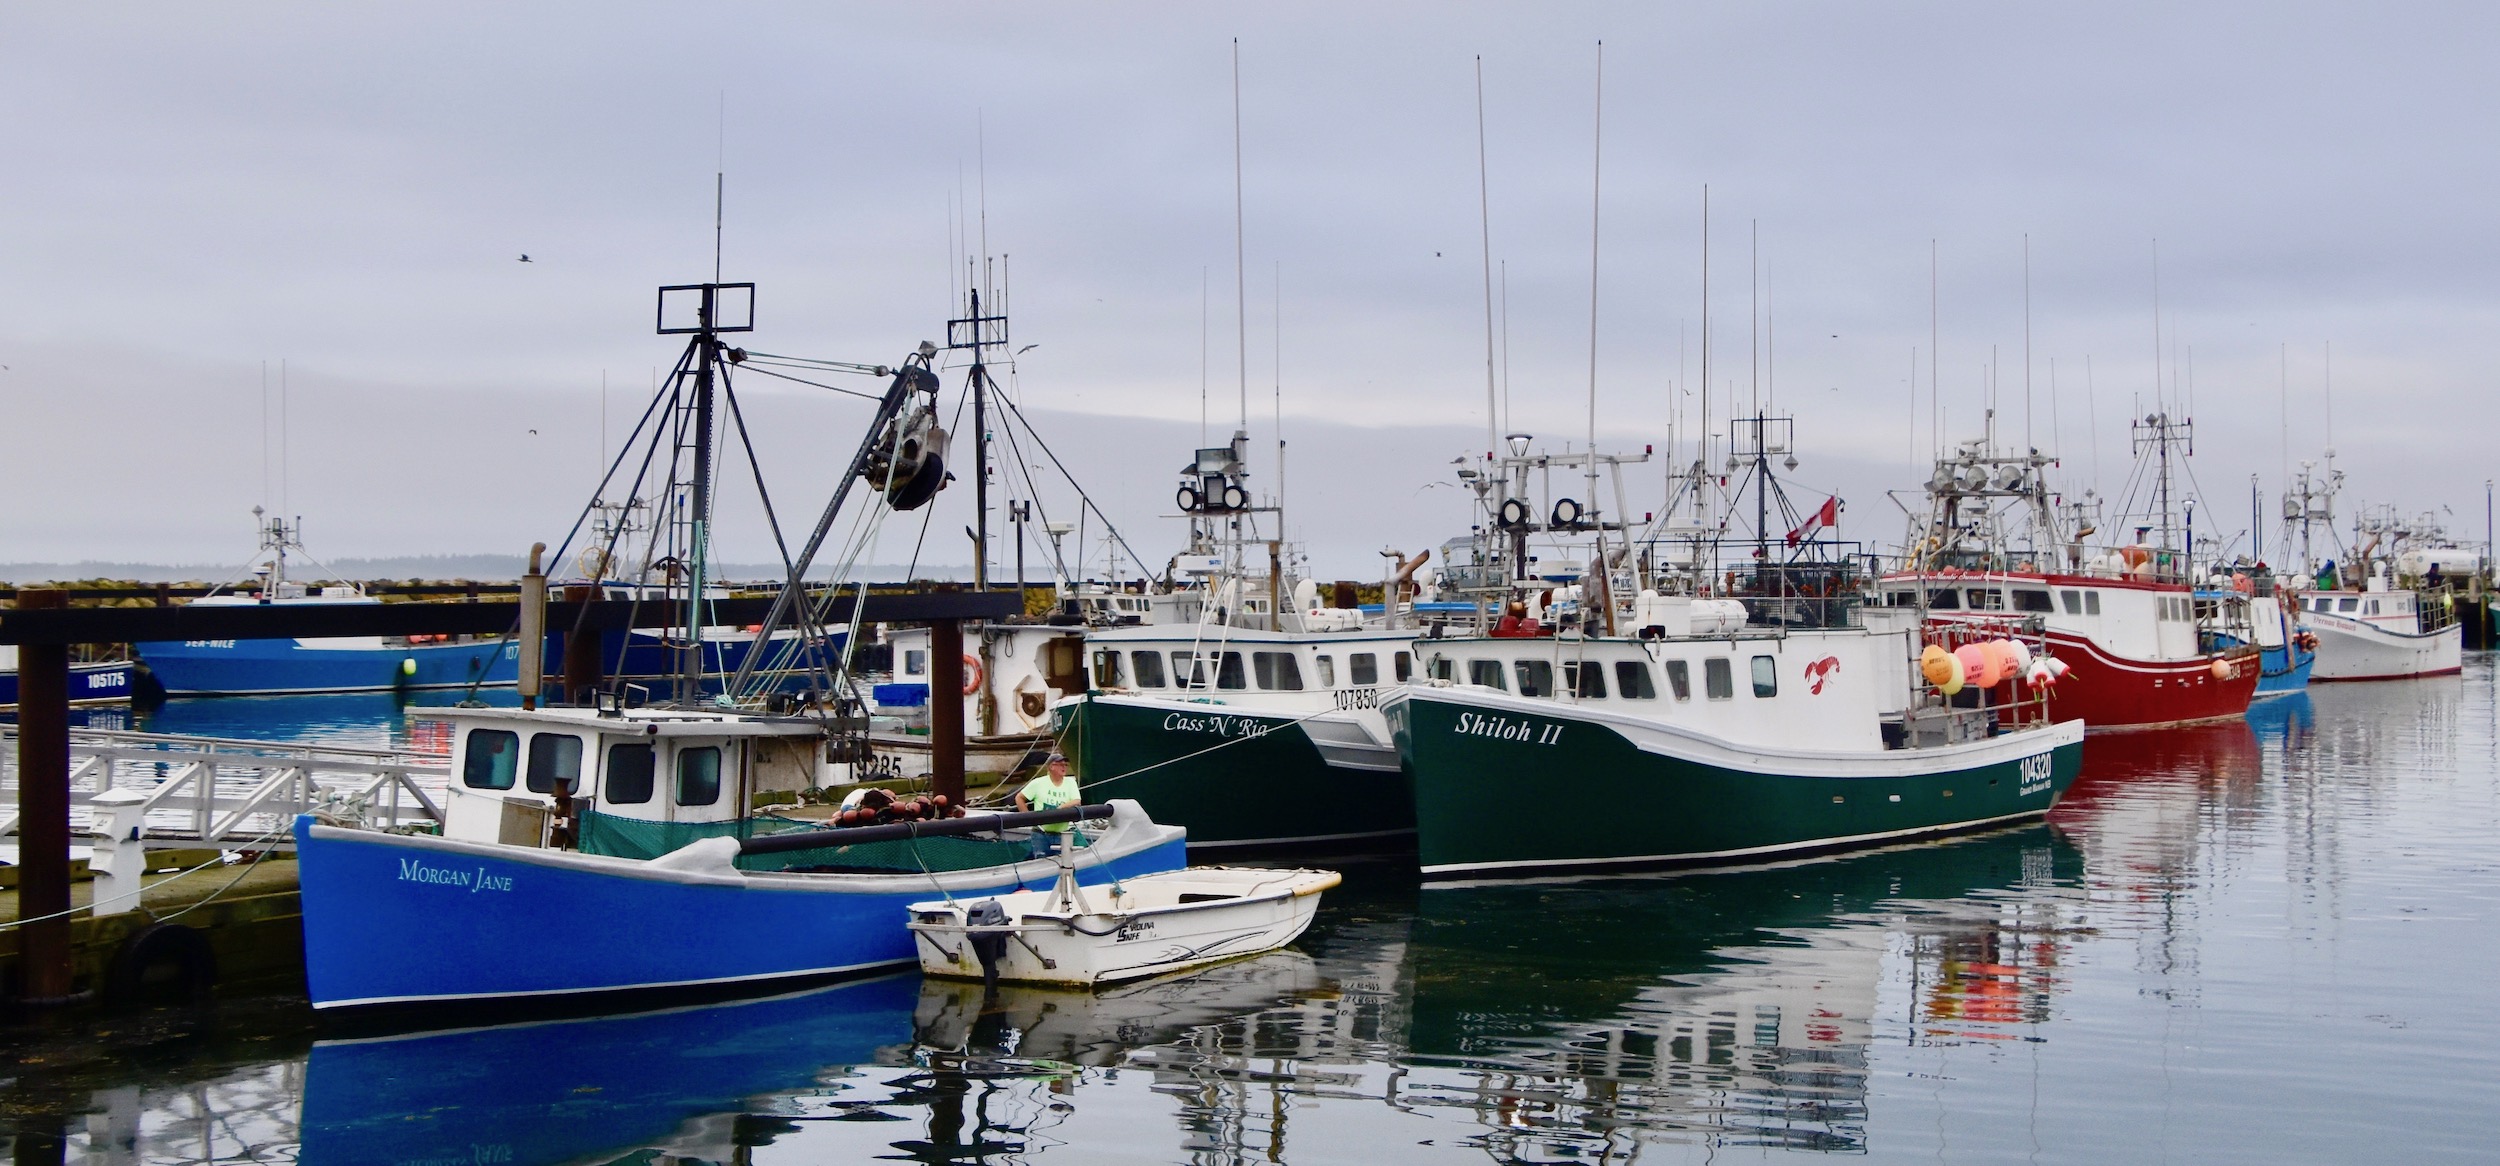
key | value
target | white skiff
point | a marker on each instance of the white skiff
(1103, 934)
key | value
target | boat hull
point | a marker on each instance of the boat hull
(1237, 779)
(2106, 691)
(270, 667)
(89, 684)
(1486, 766)
(418, 920)
(2351, 649)
(1045, 948)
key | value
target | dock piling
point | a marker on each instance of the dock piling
(43, 808)
(946, 710)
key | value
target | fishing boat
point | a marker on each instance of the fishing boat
(2380, 609)
(2287, 649)
(1127, 930)
(1662, 731)
(1236, 683)
(617, 851)
(324, 664)
(1995, 549)
(103, 683)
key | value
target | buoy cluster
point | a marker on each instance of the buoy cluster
(1986, 664)
(877, 807)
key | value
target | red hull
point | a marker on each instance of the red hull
(2109, 692)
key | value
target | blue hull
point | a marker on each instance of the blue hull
(647, 662)
(256, 667)
(88, 684)
(2286, 671)
(394, 919)
(492, 1095)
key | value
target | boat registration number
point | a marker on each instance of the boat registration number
(2037, 773)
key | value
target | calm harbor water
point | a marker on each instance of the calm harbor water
(2262, 942)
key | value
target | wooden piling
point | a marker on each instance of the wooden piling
(43, 805)
(946, 710)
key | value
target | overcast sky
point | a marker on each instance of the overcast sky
(194, 190)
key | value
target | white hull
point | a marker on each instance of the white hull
(2351, 649)
(1143, 927)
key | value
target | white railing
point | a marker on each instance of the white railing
(215, 791)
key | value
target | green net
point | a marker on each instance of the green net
(632, 838)
(623, 837)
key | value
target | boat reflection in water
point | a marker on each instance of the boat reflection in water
(1731, 1009)
(678, 1081)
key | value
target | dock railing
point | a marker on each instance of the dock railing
(212, 791)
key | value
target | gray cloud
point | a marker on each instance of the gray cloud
(194, 191)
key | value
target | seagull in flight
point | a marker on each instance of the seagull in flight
(525, 257)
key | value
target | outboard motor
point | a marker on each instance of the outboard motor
(988, 946)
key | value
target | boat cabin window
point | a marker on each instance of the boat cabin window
(1276, 671)
(1362, 668)
(1486, 672)
(2091, 603)
(629, 775)
(555, 762)
(1188, 671)
(915, 662)
(1106, 669)
(1944, 599)
(1228, 673)
(1149, 669)
(1766, 676)
(1536, 677)
(1586, 678)
(698, 776)
(1404, 664)
(2074, 601)
(1632, 680)
(1327, 671)
(494, 757)
(2029, 600)
(1985, 599)
(2371, 608)
(1900, 599)
(1718, 678)
(2346, 604)
(1442, 667)
(1679, 678)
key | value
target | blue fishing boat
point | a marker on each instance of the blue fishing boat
(2287, 650)
(330, 664)
(89, 684)
(615, 853)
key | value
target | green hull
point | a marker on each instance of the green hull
(1234, 779)
(1504, 791)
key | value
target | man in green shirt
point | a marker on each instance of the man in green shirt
(1053, 790)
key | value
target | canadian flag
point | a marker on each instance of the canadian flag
(1829, 515)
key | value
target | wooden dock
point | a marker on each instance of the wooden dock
(222, 925)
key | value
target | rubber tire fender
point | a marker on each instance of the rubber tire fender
(185, 949)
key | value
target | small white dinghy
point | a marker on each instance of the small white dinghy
(1146, 926)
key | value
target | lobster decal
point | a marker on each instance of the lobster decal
(1820, 671)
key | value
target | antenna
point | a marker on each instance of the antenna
(1202, 362)
(720, 168)
(1597, 173)
(2157, 323)
(2028, 447)
(1484, 207)
(1935, 358)
(1753, 355)
(1241, 284)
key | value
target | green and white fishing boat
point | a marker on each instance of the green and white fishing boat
(1243, 706)
(1772, 716)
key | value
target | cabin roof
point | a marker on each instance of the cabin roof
(661, 722)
